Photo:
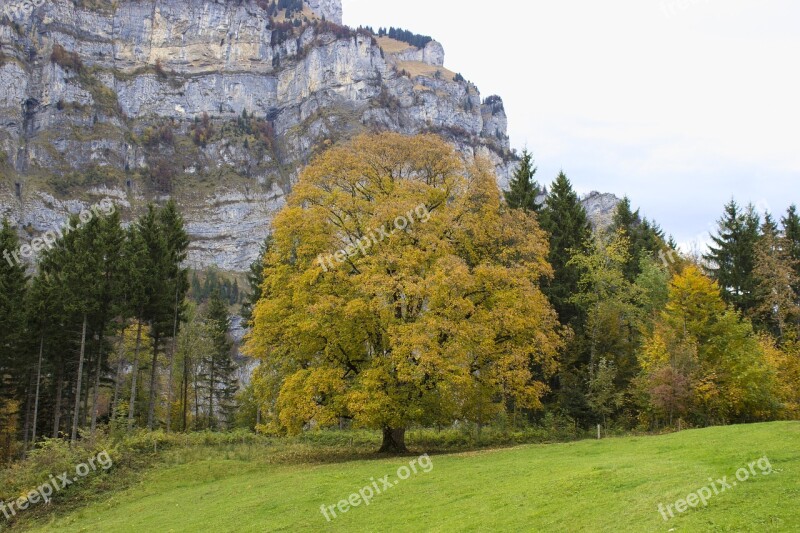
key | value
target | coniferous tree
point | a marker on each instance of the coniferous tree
(166, 284)
(13, 368)
(138, 275)
(177, 244)
(41, 316)
(732, 255)
(523, 188)
(776, 299)
(255, 279)
(565, 220)
(219, 373)
(76, 265)
(643, 236)
(791, 232)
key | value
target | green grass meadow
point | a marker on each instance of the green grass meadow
(609, 485)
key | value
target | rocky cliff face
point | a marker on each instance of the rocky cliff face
(600, 208)
(216, 103)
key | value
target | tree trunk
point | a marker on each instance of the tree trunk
(170, 376)
(134, 375)
(185, 389)
(96, 395)
(28, 413)
(172, 359)
(38, 382)
(59, 394)
(394, 441)
(85, 399)
(196, 402)
(76, 414)
(211, 394)
(151, 407)
(118, 380)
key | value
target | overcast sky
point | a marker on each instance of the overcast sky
(679, 104)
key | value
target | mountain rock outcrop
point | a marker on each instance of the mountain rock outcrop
(217, 103)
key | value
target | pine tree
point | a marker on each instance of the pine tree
(109, 249)
(776, 299)
(565, 220)
(791, 232)
(177, 241)
(221, 382)
(197, 289)
(523, 188)
(255, 279)
(76, 265)
(732, 255)
(13, 368)
(644, 237)
(136, 294)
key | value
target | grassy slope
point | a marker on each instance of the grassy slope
(392, 46)
(610, 485)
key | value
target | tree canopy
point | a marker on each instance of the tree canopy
(440, 318)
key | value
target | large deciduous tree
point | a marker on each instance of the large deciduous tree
(430, 312)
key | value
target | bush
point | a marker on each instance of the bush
(202, 130)
(281, 31)
(161, 135)
(66, 60)
(340, 32)
(162, 175)
(495, 103)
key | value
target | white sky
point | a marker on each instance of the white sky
(680, 104)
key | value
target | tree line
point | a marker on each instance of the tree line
(657, 337)
(102, 332)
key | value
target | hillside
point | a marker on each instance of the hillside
(608, 485)
(217, 104)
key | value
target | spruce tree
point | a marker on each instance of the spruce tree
(220, 370)
(775, 298)
(565, 220)
(109, 248)
(76, 265)
(791, 232)
(523, 188)
(255, 279)
(139, 273)
(14, 370)
(732, 255)
(177, 244)
(644, 237)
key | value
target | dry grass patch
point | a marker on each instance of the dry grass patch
(392, 46)
(418, 68)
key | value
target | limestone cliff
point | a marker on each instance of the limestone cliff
(216, 103)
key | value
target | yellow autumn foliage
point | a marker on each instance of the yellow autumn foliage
(399, 289)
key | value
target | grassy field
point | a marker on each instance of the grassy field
(608, 485)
